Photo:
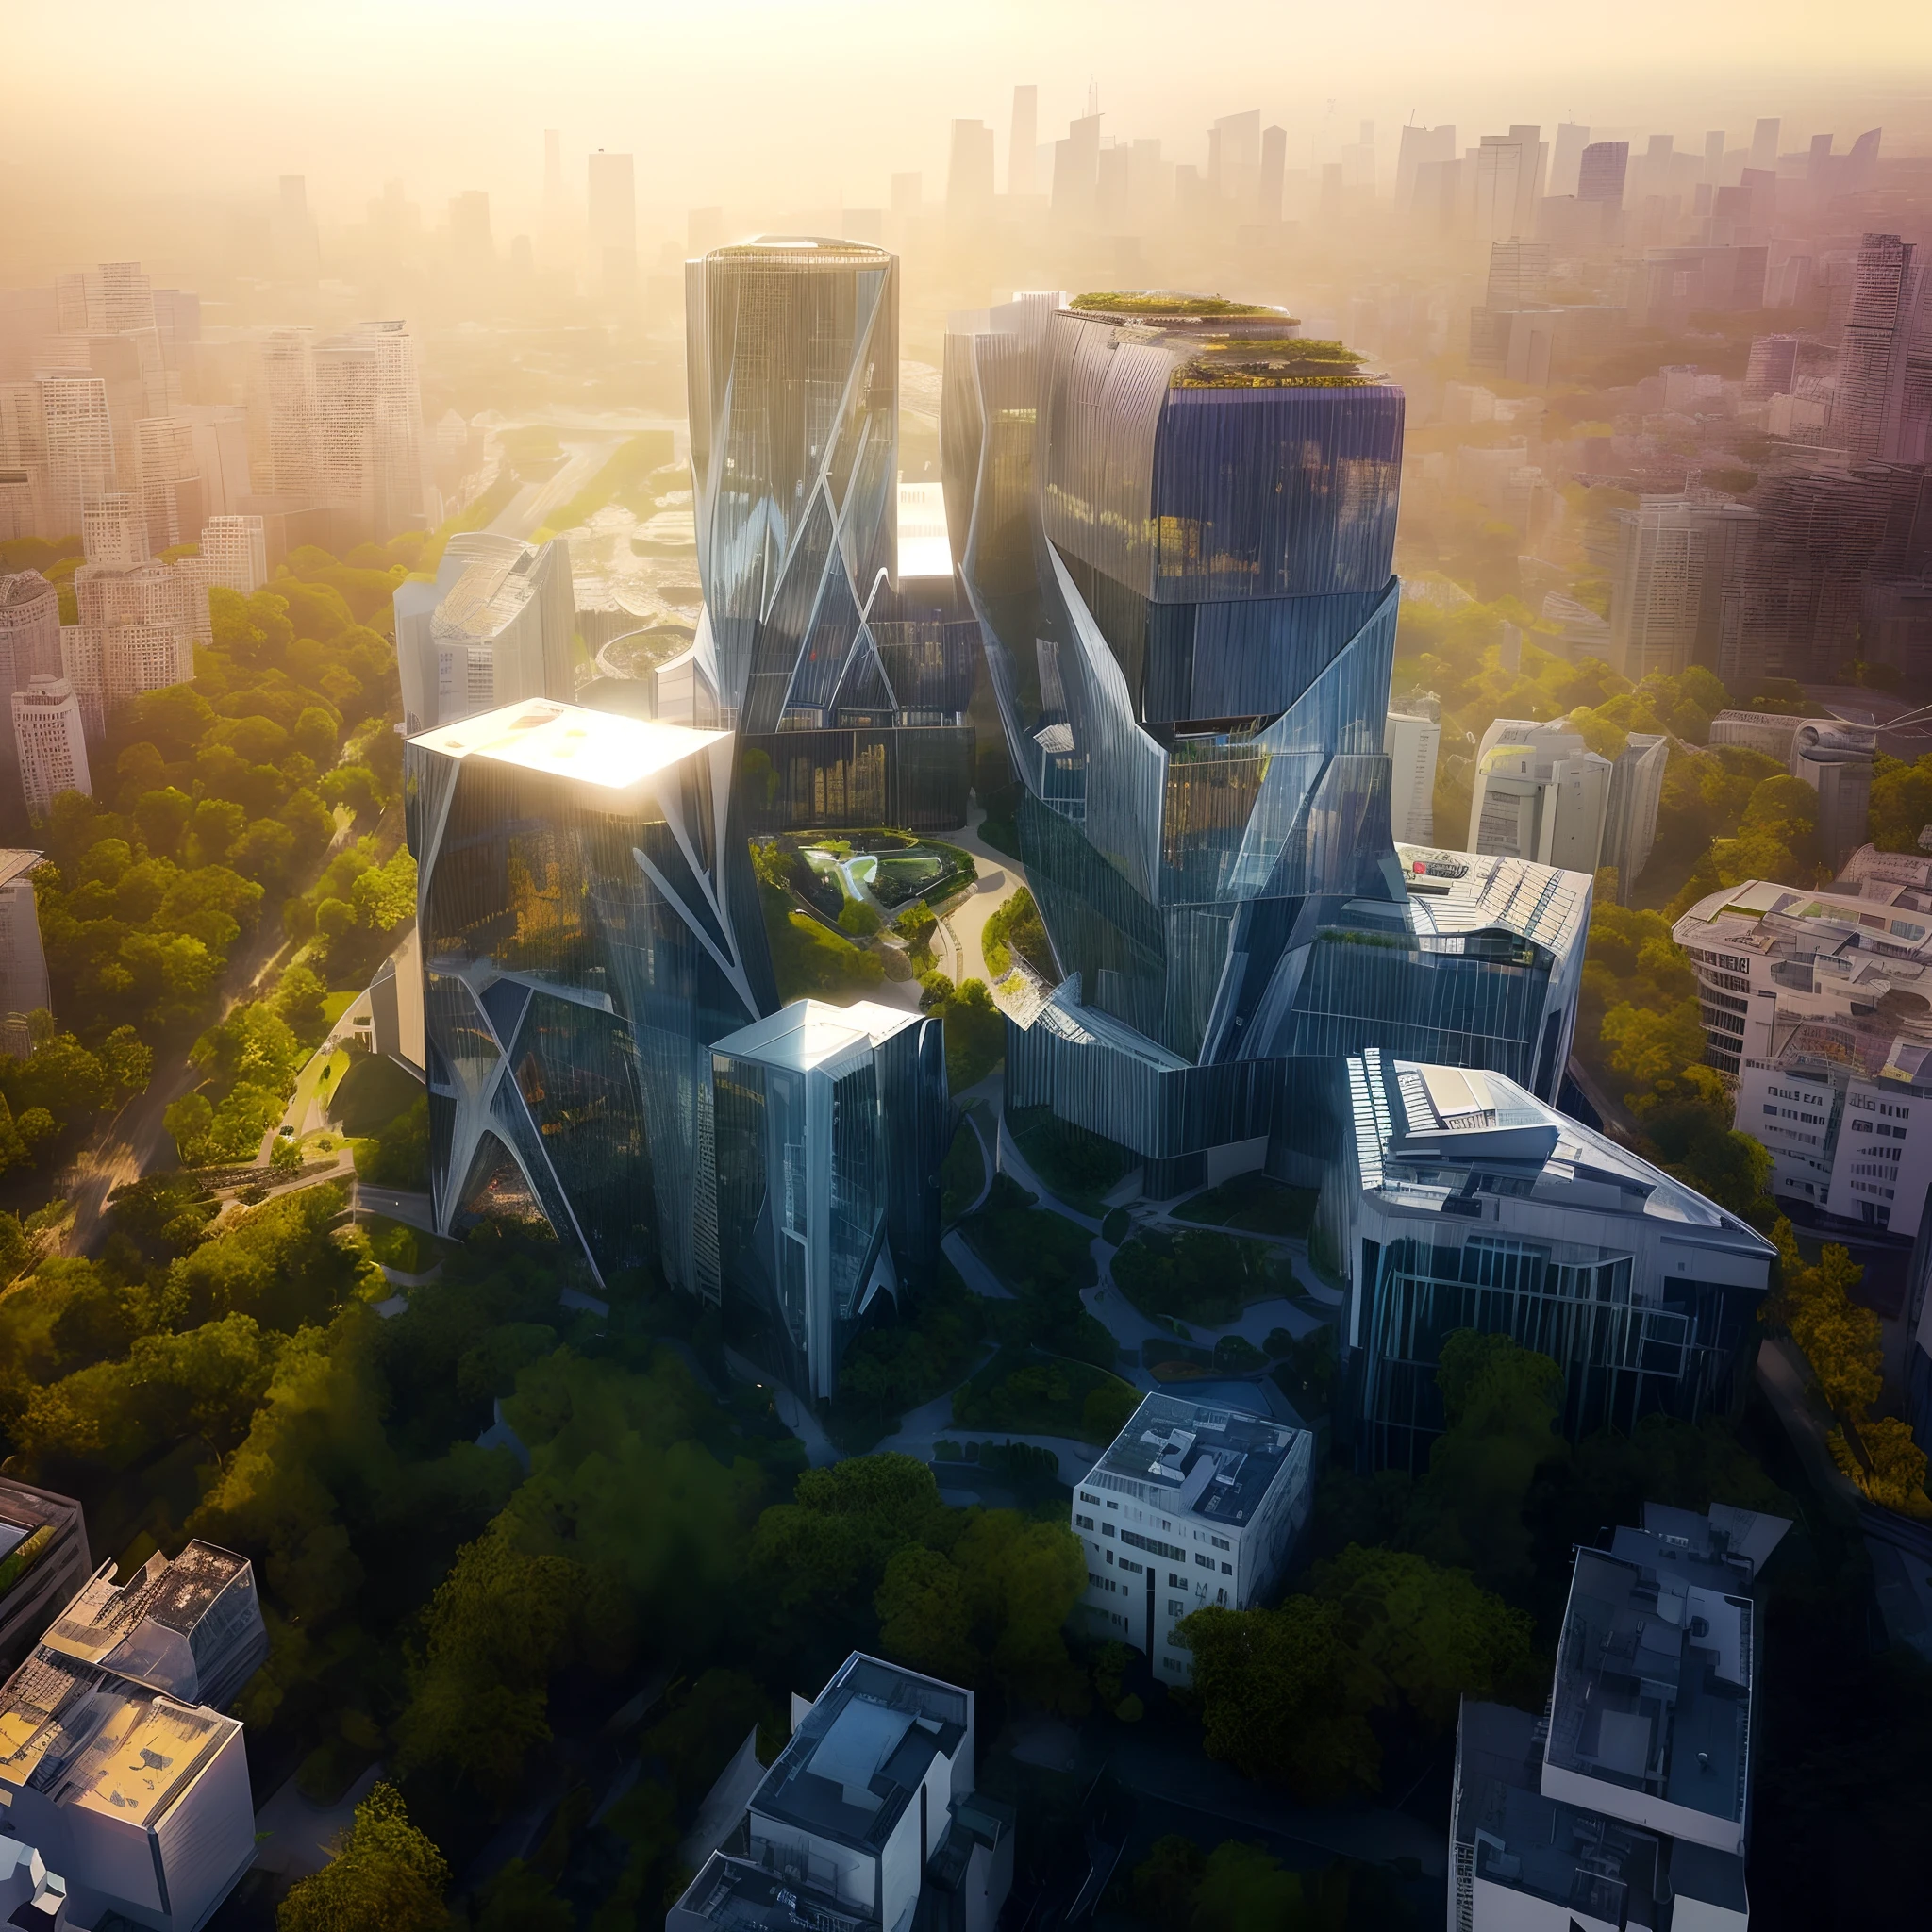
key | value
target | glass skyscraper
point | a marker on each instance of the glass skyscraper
(849, 691)
(829, 1125)
(589, 926)
(1176, 519)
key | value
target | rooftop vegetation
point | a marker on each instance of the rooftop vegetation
(1164, 302)
(1229, 363)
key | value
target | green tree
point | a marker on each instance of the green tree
(1281, 1696)
(1503, 1404)
(386, 1876)
(925, 1616)
(858, 920)
(496, 1628)
(1430, 1636)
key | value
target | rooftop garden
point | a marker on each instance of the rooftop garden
(1232, 362)
(1165, 302)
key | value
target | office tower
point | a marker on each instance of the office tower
(1421, 149)
(495, 627)
(1077, 173)
(1883, 406)
(1600, 172)
(1896, 627)
(125, 1774)
(172, 498)
(1455, 1199)
(220, 431)
(1192, 682)
(1675, 573)
(613, 223)
(908, 198)
(828, 1128)
(29, 627)
(555, 207)
(1637, 788)
(590, 925)
(968, 172)
(1671, 283)
(469, 231)
(293, 232)
(1628, 1802)
(1273, 173)
(1539, 793)
(1412, 744)
(1024, 139)
(867, 1821)
(400, 486)
(1764, 146)
(1509, 183)
(1566, 156)
(1713, 158)
(1519, 280)
(79, 440)
(851, 691)
(235, 552)
(282, 457)
(49, 744)
(113, 531)
(1234, 163)
(1772, 368)
(1191, 1504)
(1821, 534)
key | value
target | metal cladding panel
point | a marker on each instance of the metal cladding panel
(1276, 493)
(1102, 391)
(205, 1840)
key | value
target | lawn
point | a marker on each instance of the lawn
(1025, 1392)
(1253, 1204)
(1206, 1279)
(398, 1246)
(1027, 1247)
(370, 1091)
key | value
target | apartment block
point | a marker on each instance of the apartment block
(118, 1764)
(44, 1550)
(50, 743)
(1191, 1504)
(1627, 1802)
(1798, 995)
(867, 1821)
(24, 987)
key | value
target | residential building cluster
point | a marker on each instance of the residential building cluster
(125, 424)
(125, 1794)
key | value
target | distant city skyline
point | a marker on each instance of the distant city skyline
(661, 78)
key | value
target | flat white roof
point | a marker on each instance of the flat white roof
(809, 1033)
(924, 550)
(600, 748)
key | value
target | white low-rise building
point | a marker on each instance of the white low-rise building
(1628, 1803)
(1821, 1004)
(867, 1821)
(1191, 1504)
(115, 1758)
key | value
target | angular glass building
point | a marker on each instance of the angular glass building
(829, 1124)
(1175, 521)
(589, 926)
(849, 691)
(1455, 1200)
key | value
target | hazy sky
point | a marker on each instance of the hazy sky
(732, 100)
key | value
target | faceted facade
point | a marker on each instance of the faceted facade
(847, 692)
(1175, 521)
(829, 1124)
(589, 926)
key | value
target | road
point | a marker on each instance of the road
(135, 1141)
(526, 510)
(958, 942)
